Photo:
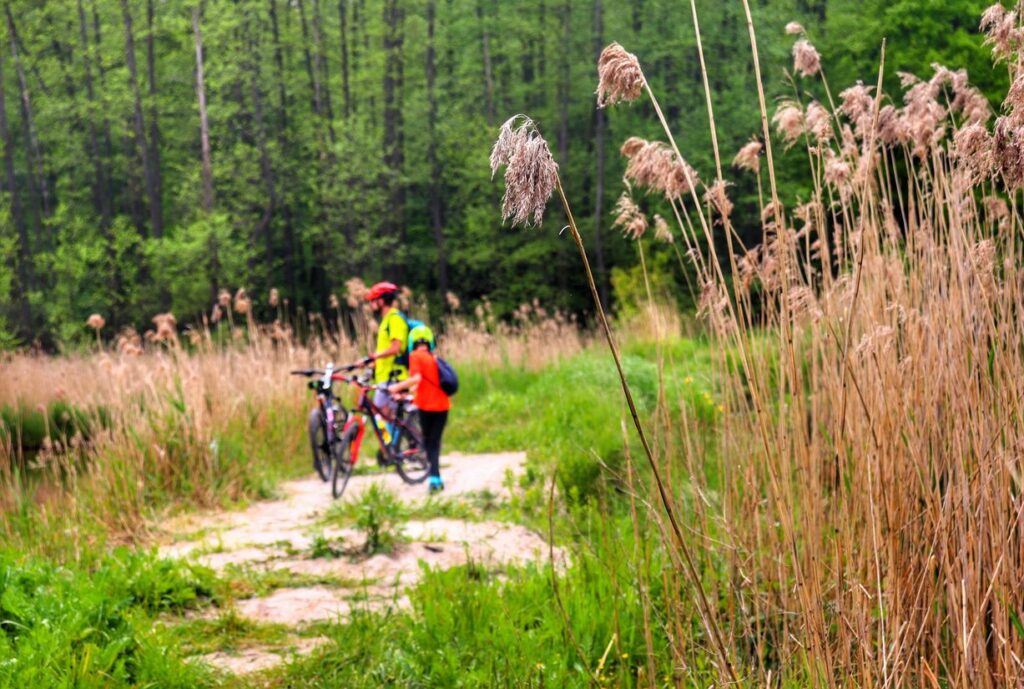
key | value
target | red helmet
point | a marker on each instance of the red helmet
(380, 289)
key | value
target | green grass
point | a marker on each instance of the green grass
(469, 627)
(116, 620)
(567, 415)
(92, 625)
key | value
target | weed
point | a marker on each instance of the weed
(378, 515)
(321, 547)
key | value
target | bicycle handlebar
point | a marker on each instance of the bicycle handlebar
(310, 372)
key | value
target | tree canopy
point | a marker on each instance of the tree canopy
(156, 151)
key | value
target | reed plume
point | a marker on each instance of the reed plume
(531, 173)
(619, 76)
(749, 157)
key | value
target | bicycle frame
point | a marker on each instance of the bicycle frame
(365, 409)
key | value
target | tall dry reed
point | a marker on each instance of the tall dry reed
(864, 512)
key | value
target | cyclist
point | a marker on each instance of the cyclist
(429, 398)
(392, 339)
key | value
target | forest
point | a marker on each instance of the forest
(156, 152)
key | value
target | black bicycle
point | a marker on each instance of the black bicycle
(326, 421)
(336, 443)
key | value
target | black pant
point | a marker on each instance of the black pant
(432, 424)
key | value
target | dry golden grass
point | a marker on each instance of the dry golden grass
(199, 425)
(868, 501)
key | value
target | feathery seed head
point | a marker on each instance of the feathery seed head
(967, 100)
(166, 328)
(619, 76)
(891, 127)
(530, 171)
(224, 298)
(333, 302)
(789, 121)
(96, 322)
(662, 233)
(1008, 151)
(718, 199)
(794, 28)
(996, 208)
(355, 292)
(654, 165)
(806, 60)
(242, 301)
(629, 217)
(1000, 27)
(972, 145)
(837, 172)
(819, 123)
(631, 146)
(749, 157)
(856, 100)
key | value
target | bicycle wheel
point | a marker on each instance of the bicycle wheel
(318, 444)
(341, 467)
(408, 453)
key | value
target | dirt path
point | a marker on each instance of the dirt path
(304, 540)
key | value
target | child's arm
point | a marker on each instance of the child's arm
(410, 382)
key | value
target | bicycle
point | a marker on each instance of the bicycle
(325, 420)
(400, 439)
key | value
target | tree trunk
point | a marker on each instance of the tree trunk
(282, 140)
(264, 227)
(108, 145)
(141, 147)
(564, 86)
(321, 69)
(313, 75)
(393, 141)
(204, 127)
(38, 191)
(101, 192)
(638, 13)
(485, 39)
(600, 124)
(343, 23)
(154, 128)
(435, 165)
(282, 95)
(24, 260)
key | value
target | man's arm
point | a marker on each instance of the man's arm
(394, 350)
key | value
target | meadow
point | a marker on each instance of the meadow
(817, 484)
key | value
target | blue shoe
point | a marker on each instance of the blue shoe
(436, 485)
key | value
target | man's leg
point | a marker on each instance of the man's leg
(382, 400)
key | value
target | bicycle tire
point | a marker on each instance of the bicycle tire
(408, 453)
(318, 445)
(341, 467)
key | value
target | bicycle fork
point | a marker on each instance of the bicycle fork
(357, 441)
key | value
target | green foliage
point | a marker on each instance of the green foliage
(92, 626)
(59, 421)
(314, 182)
(629, 286)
